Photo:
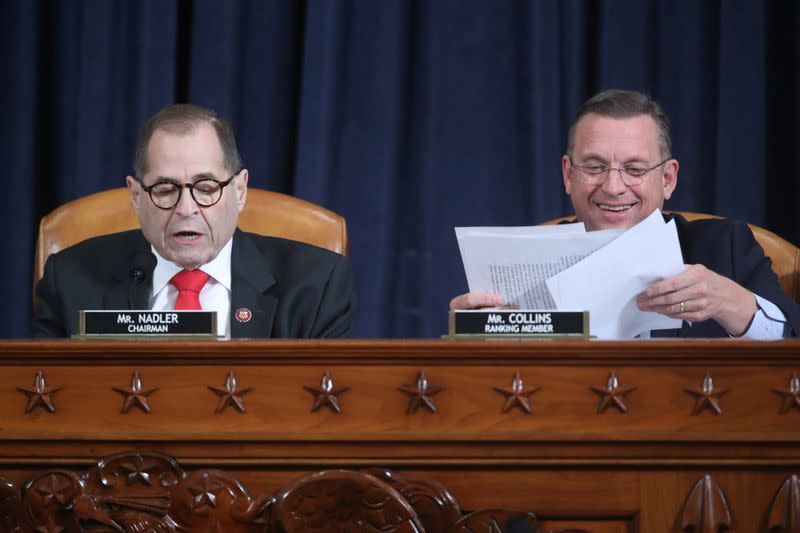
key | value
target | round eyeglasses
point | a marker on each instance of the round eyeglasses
(205, 192)
(595, 173)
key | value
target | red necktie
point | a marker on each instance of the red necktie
(189, 284)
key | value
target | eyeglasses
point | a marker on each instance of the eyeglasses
(596, 173)
(206, 192)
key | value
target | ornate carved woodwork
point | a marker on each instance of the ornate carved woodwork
(706, 509)
(791, 394)
(135, 394)
(502, 521)
(341, 501)
(40, 394)
(517, 394)
(326, 393)
(436, 507)
(231, 394)
(134, 492)
(138, 492)
(496, 521)
(612, 394)
(421, 394)
(601, 474)
(784, 514)
(707, 396)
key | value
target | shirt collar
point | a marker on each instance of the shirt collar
(218, 268)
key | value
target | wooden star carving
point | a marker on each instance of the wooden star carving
(421, 394)
(326, 393)
(55, 491)
(707, 396)
(517, 394)
(612, 394)
(791, 394)
(206, 494)
(138, 471)
(135, 394)
(40, 394)
(231, 394)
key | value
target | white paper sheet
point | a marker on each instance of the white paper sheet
(607, 282)
(516, 262)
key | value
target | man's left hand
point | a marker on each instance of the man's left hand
(697, 294)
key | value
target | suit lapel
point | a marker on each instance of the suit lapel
(122, 289)
(249, 283)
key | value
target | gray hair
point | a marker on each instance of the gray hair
(183, 119)
(616, 103)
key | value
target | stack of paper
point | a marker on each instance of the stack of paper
(565, 267)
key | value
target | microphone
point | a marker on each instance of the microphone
(143, 265)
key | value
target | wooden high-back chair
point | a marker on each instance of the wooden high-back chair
(266, 213)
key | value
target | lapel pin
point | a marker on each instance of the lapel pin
(243, 314)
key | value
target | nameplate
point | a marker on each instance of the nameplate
(519, 323)
(147, 324)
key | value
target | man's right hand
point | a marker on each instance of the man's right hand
(475, 300)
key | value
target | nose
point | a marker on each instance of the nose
(186, 205)
(614, 183)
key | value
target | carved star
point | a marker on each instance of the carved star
(206, 494)
(421, 394)
(231, 394)
(55, 491)
(138, 470)
(517, 394)
(39, 394)
(612, 394)
(135, 394)
(327, 393)
(707, 396)
(791, 395)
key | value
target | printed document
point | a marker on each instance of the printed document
(565, 267)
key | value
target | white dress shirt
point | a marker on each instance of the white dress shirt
(769, 323)
(214, 296)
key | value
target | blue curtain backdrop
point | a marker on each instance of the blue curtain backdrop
(409, 117)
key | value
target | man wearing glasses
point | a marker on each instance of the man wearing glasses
(188, 190)
(617, 170)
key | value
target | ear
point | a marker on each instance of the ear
(566, 173)
(134, 191)
(240, 186)
(669, 180)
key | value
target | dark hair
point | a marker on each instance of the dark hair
(616, 103)
(183, 119)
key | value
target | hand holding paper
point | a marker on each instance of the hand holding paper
(566, 268)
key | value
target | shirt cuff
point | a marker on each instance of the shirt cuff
(768, 323)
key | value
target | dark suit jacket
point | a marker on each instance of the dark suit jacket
(293, 289)
(728, 248)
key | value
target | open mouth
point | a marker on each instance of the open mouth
(187, 235)
(615, 208)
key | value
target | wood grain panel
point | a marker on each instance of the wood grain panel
(569, 465)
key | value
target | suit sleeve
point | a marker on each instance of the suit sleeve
(753, 270)
(335, 313)
(48, 312)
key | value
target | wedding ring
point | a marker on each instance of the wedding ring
(681, 307)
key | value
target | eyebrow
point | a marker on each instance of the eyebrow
(196, 177)
(597, 157)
